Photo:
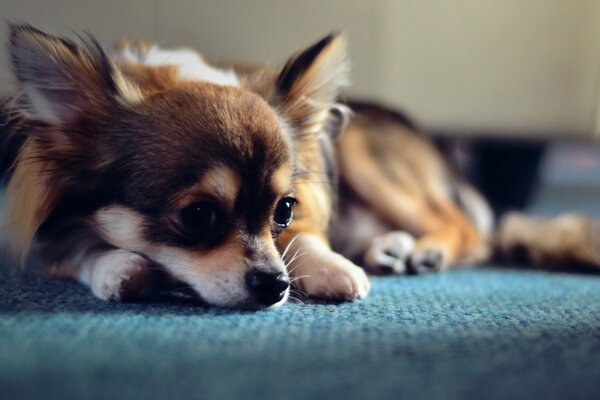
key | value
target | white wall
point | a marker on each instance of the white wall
(521, 66)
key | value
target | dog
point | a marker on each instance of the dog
(143, 169)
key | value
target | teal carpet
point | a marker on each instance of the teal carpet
(481, 334)
(484, 333)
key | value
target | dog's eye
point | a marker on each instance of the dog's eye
(284, 212)
(200, 216)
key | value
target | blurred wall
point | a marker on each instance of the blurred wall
(513, 66)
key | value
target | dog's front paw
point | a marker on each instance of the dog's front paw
(322, 273)
(117, 275)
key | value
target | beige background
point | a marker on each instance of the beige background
(515, 66)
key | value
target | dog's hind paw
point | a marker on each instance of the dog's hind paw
(390, 253)
(399, 253)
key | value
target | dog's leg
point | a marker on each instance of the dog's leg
(568, 240)
(437, 250)
(116, 274)
(320, 272)
(435, 241)
(111, 274)
(399, 252)
(409, 197)
(315, 268)
(452, 239)
(72, 250)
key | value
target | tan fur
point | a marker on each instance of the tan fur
(151, 79)
(554, 242)
(313, 211)
(220, 184)
(29, 199)
(400, 177)
(281, 180)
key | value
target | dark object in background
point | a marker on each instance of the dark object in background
(506, 171)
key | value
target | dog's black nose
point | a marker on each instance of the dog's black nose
(267, 287)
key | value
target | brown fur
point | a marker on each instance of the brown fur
(29, 200)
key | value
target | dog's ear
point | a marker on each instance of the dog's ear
(309, 83)
(59, 79)
(60, 83)
(337, 120)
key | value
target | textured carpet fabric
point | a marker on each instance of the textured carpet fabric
(485, 333)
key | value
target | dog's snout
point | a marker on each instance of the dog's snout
(268, 287)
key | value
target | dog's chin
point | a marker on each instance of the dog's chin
(281, 302)
(248, 304)
(251, 304)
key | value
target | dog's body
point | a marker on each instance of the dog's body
(147, 168)
(418, 215)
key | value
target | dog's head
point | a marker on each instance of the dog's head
(196, 176)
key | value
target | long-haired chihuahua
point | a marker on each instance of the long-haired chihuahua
(143, 168)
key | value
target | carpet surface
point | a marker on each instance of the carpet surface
(480, 333)
(484, 333)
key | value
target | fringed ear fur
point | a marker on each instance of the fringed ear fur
(309, 83)
(60, 83)
(61, 79)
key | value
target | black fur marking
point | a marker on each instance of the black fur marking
(300, 63)
(378, 112)
(94, 49)
(67, 239)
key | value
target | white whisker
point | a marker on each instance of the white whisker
(288, 247)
